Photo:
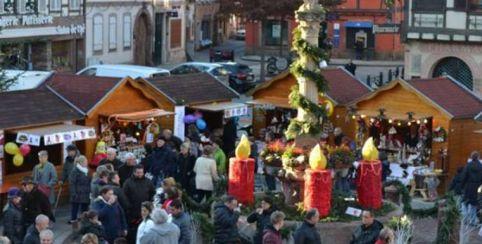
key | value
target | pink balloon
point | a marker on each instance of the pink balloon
(25, 149)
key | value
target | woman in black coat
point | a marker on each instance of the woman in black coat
(79, 185)
(472, 179)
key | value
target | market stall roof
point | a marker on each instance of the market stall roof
(55, 134)
(84, 92)
(343, 87)
(193, 88)
(443, 93)
(33, 107)
(231, 109)
(140, 115)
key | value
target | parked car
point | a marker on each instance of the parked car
(219, 55)
(241, 77)
(122, 70)
(216, 70)
(240, 34)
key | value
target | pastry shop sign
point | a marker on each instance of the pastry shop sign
(26, 20)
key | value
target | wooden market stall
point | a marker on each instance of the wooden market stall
(271, 97)
(43, 121)
(124, 107)
(424, 120)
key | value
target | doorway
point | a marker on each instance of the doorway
(143, 39)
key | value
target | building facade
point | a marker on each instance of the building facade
(444, 37)
(170, 36)
(119, 32)
(201, 16)
(42, 34)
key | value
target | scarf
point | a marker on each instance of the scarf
(82, 169)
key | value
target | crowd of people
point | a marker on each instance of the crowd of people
(140, 201)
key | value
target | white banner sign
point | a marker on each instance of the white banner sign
(23, 138)
(235, 112)
(69, 136)
(179, 121)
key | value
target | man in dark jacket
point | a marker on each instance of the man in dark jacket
(163, 162)
(69, 164)
(98, 184)
(137, 189)
(226, 215)
(173, 141)
(229, 136)
(114, 183)
(111, 214)
(307, 232)
(272, 234)
(125, 171)
(262, 218)
(182, 220)
(456, 183)
(33, 203)
(111, 159)
(368, 232)
(33, 232)
(12, 217)
(185, 162)
(472, 179)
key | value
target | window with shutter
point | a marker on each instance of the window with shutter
(112, 32)
(21, 6)
(74, 4)
(176, 33)
(42, 6)
(55, 5)
(127, 30)
(98, 31)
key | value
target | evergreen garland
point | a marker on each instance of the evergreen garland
(407, 199)
(316, 55)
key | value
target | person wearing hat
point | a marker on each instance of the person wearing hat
(69, 164)
(45, 175)
(33, 202)
(12, 216)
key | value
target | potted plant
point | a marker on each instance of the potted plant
(341, 159)
(271, 157)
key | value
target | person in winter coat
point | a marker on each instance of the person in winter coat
(272, 234)
(79, 186)
(126, 170)
(146, 223)
(45, 175)
(33, 203)
(173, 141)
(229, 136)
(90, 224)
(101, 181)
(111, 159)
(307, 232)
(161, 192)
(368, 232)
(226, 215)
(46, 236)
(262, 217)
(33, 232)
(162, 232)
(163, 162)
(69, 163)
(206, 173)
(137, 189)
(114, 182)
(219, 157)
(185, 163)
(182, 220)
(12, 217)
(472, 179)
(111, 214)
(456, 183)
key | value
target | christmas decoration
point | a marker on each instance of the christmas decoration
(24, 149)
(11, 148)
(369, 177)
(18, 160)
(241, 173)
(318, 184)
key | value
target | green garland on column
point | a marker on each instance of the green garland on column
(316, 55)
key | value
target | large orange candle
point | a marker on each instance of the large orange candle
(318, 186)
(241, 174)
(369, 177)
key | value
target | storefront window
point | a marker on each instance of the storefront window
(274, 30)
(112, 32)
(127, 30)
(98, 31)
(42, 6)
(55, 5)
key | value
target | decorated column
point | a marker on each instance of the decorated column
(305, 95)
(318, 183)
(241, 173)
(369, 177)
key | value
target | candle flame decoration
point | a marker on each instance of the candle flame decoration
(317, 158)
(369, 151)
(244, 148)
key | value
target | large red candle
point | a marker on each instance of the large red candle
(369, 184)
(241, 180)
(318, 191)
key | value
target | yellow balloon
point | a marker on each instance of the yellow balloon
(317, 158)
(369, 150)
(18, 160)
(244, 148)
(11, 148)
